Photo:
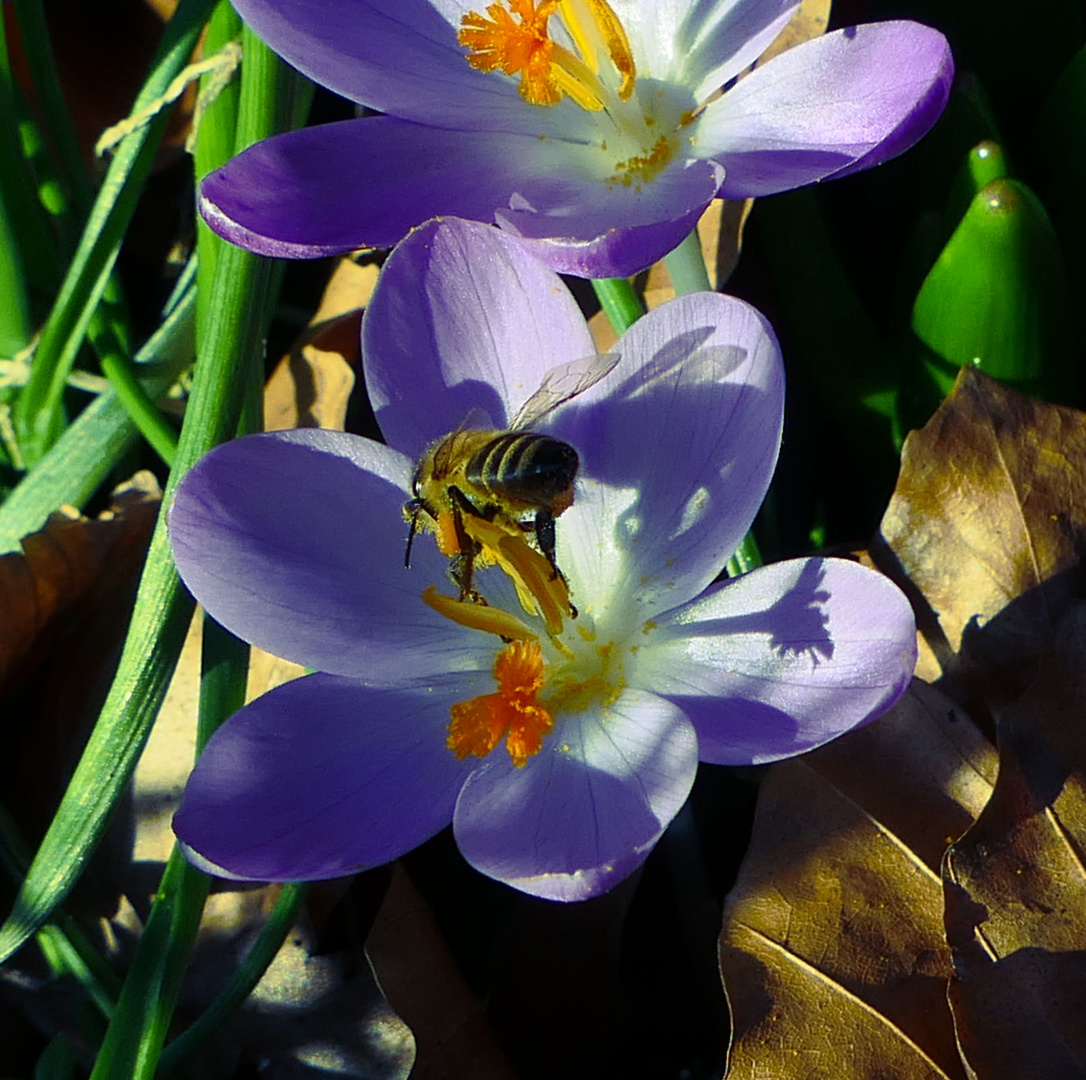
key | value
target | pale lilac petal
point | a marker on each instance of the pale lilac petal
(583, 813)
(848, 100)
(614, 230)
(783, 659)
(677, 449)
(324, 777)
(720, 40)
(463, 318)
(295, 541)
(399, 57)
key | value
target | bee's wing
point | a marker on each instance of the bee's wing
(562, 383)
(476, 419)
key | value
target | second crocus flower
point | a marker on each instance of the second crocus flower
(593, 131)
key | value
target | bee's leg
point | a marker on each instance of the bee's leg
(545, 538)
(463, 566)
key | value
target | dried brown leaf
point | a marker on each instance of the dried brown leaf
(310, 386)
(810, 21)
(61, 564)
(832, 950)
(1016, 884)
(990, 508)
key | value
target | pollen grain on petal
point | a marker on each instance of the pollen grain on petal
(513, 712)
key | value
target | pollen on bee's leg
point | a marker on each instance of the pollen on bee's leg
(477, 616)
(513, 712)
(539, 590)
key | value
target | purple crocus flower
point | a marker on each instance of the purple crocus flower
(561, 754)
(593, 130)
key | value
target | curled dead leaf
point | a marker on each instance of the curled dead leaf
(989, 509)
(61, 564)
(1016, 884)
(832, 950)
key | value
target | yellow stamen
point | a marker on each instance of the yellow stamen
(514, 712)
(515, 39)
(595, 27)
(477, 616)
(539, 589)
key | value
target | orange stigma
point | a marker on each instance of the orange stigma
(500, 43)
(514, 712)
(513, 37)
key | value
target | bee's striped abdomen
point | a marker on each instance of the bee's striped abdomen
(533, 468)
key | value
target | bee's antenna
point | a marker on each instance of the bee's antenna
(411, 538)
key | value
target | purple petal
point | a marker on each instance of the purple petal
(295, 541)
(783, 659)
(616, 252)
(399, 57)
(585, 812)
(323, 777)
(838, 103)
(682, 439)
(359, 183)
(462, 318)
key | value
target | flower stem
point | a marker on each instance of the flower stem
(746, 557)
(619, 301)
(686, 266)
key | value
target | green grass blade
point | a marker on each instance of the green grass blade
(268, 942)
(160, 618)
(87, 452)
(38, 411)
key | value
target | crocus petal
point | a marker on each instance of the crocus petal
(366, 183)
(584, 812)
(295, 542)
(323, 777)
(678, 446)
(850, 99)
(463, 318)
(717, 41)
(783, 659)
(399, 57)
(614, 229)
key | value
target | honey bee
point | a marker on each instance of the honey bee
(515, 479)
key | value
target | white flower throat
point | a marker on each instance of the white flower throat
(636, 125)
